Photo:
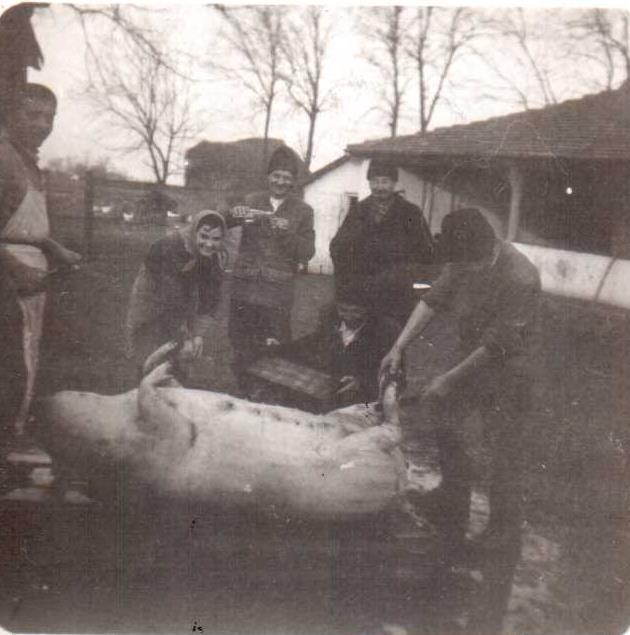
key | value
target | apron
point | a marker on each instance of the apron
(29, 222)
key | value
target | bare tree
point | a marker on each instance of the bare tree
(603, 36)
(255, 35)
(525, 52)
(438, 37)
(304, 48)
(384, 30)
(137, 89)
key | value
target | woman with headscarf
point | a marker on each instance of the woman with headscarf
(177, 289)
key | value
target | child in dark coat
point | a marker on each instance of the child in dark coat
(347, 347)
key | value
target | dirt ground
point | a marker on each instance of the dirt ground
(575, 483)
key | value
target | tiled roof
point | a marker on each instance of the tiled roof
(329, 167)
(592, 127)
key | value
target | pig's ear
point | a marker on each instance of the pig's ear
(165, 353)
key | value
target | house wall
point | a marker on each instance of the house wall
(572, 274)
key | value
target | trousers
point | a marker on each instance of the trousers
(250, 326)
(503, 400)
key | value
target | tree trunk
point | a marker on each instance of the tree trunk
(265, 157)
(311, 137)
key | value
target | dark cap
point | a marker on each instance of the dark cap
(378, 167)
(349, 289)
(466, 236)
(283, 159)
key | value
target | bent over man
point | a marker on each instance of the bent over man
(494, 291)
(277, 235)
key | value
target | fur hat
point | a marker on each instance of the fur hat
(378, 167)
(283, 159)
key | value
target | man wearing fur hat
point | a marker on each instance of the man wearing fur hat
(381, 243)
(277, 235)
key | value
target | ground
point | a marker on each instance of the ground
(577, 514)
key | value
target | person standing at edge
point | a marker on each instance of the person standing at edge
(277, 234)
(380, 244)
(494, 291)
(26, 248)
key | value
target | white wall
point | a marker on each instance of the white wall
(584, 276)
(327, 197)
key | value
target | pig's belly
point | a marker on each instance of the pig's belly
(255, 454)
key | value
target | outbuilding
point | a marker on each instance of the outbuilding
(555, 180)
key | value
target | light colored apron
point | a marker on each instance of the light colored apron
(29, 222)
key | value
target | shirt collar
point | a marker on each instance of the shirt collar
(349, 335)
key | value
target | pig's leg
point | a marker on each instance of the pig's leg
(159, 417)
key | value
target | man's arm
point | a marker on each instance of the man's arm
(443, 384)
(300, 244)
(341, 246)
(416, 323)
(27, 280)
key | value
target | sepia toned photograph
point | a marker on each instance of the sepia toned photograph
(314, 319)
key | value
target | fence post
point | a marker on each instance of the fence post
(88, 217)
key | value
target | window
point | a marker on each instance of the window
(572, 206)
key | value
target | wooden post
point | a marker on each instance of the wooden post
(88, 217)
(516, 179)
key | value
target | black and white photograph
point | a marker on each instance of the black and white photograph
(314, 319)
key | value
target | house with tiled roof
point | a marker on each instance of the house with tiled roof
(555, 180)
(235, 167)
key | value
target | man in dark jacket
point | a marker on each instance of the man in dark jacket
(277, 235)
(381, 243)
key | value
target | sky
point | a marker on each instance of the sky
(225, 109)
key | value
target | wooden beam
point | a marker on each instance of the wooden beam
(516, 179)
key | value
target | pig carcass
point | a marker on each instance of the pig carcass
(214, 448)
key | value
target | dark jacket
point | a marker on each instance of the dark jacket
(496, 307)
(268, 259)
(383, 258)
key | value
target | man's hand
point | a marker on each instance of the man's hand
(391, 363)
(279, 223)
(438, 388)
(191, 349)
(348, 383)
(28, 280)
(197, 346)
(60, 254)
(69, 257)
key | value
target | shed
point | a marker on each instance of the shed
(555, 180)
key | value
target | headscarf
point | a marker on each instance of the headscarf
(189, 234)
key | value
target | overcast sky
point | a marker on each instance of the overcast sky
(226, 107)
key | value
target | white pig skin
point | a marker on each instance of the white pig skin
(213, 448)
